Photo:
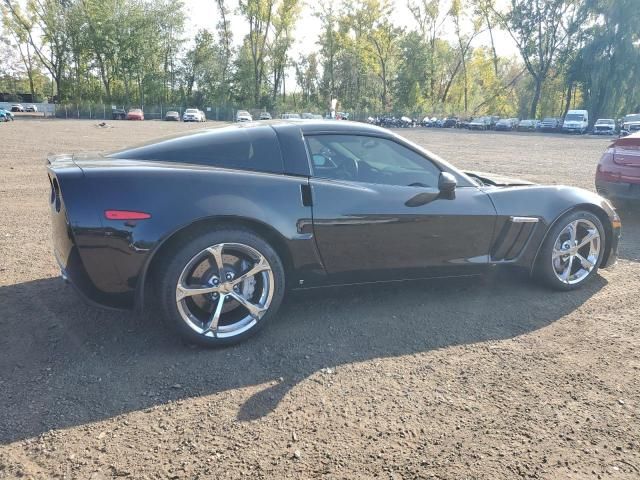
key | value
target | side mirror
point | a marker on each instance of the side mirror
(447, 185)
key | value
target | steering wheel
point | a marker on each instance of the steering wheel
(369, 173)
(347, 168)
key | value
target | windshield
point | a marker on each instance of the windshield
(191, 110)
(549, 119)
(632, 118)
(605, 121)
(574, 117)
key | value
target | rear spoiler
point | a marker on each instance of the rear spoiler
(61, 160)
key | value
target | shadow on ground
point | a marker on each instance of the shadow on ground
(630, 243)
(64, 363)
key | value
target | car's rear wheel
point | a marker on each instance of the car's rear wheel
(222, 287)
(572, 251)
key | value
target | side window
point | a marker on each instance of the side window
(360, 158)
(254, 148)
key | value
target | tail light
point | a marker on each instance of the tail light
(125, 215)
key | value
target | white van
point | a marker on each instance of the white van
(576, 121)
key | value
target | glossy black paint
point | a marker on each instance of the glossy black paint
(326, 231)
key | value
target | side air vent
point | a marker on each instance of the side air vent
(55, 194)
(512, 238)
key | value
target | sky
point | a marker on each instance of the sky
(203, 14)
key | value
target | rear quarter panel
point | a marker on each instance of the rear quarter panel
(178, 196)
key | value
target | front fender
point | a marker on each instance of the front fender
(549, 204)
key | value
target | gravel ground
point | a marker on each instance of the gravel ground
(492, 378)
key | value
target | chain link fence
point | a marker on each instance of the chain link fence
(224, 113)
(91, 111)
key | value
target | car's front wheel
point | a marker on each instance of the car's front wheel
(222, 287)
(572, 251)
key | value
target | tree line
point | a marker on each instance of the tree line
(571, 53)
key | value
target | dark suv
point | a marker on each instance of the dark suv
(118, 114)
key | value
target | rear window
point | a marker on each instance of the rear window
(254, 148)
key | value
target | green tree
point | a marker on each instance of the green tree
(259, 16)
(608, 66)
(541, 30)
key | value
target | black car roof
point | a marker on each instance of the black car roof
(318, 126)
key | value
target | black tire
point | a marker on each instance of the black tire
(170, 272)
(544, 268)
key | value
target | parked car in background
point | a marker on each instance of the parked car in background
(290, 116)
(264, 116)
(480, 123)
(576, 121)
(135, 114)
(630, 124)
(406, 122)
(5, 115)
(190, 222)
(243, 116)
(16, 107)
(527, 125)
(551, 124)
(450, 122)
(118, 114)
(426, 121)
(193, 115)
(604, 126)
(172, 116)
(618, 172)
(31, 108)
(506, 124)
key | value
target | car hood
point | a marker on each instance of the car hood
(498, 180)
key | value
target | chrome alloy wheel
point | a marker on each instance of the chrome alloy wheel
(576, 251)
(225, 290)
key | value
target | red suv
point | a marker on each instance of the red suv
(618, 173)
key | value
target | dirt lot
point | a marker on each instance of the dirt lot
(493, 378)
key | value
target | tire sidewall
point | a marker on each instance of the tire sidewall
(183, 253)
(544, 269)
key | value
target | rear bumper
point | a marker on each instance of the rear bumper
(618, 190)
(84, 288)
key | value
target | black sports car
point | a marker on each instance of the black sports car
(217, 224)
